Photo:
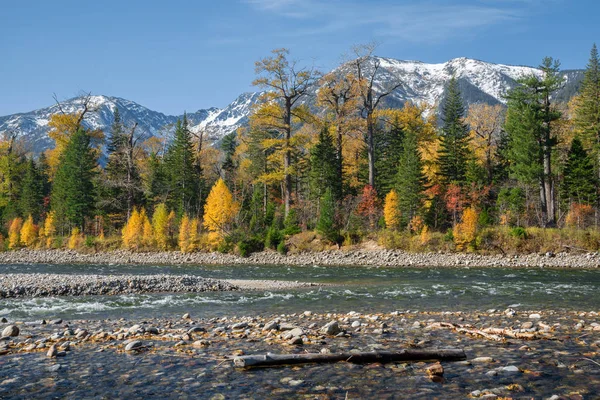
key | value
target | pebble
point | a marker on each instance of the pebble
(3, 320)
(52, 352)
(482, 360)
(535, 316)
(511, 369)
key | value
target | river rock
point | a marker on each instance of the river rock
(152, 330)
(511, 369)
(195, 329)
(135, 329)
(3, 320)
(11, 330)
(286, 326)
(482, 360)
(295, 341)
(134, 345)
(535, 316)
(435, 370)
(271, 325)
(332, 328)
(56, 321)
(52, 352)
(186, 316)
(239, 326)
(200, 344)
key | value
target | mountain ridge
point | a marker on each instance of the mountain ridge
(479, 81)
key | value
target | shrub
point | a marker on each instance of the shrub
(90, 241)
(273, 238)
(281, 248)
(248, 246)
(518, 232)
(75, 239)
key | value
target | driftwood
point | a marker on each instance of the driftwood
(271, 360)
(495, 334)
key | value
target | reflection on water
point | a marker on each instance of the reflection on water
(359, 289)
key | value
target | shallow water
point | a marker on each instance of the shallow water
(355, 288)
(547, 368)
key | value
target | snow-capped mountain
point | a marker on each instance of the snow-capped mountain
(479, 82)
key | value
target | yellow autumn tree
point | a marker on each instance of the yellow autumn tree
(194, 237)
(391, 210)
(75, 239)
(28, 233)
(220, 208)
(50, 228)
(465, 231)
(14, 233)
(184, 234)
(160, 226)
(148, 232)
(133, 231)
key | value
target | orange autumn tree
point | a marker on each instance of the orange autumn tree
(220, 209)
(368, 206)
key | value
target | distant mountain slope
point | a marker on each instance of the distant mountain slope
(479, 82)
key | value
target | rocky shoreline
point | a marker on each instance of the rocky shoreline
(372, 258)
(43, 285)
(533, 354)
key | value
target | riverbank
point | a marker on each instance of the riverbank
(361, 257)
(533, 354)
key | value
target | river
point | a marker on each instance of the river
(355, 289)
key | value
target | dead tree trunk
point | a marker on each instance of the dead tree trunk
(272, 360)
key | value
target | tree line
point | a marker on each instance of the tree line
(341, 165)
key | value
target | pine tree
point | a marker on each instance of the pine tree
(454, 146)
(327, 225)
(73, 191)
(157, 185)
(324, 173)
(529, 121)
(587, 113)
(389, 145)
(228, 146)
(183, 174)
(580, 184)
(32, 191)
(410, 179)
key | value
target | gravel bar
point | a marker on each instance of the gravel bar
(42, 285)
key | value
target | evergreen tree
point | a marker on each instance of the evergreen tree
(324, 173)
(327, 225)
(587, 113)
(182, 170)
(410, 180)
(73, 192)
(32, 191)
(157, 185)
(228, 146)
(580, 184)
(454, 146)
(529, 120)
(388, 149)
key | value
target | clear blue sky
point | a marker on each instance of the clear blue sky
(181, 55)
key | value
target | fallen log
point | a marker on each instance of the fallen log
(271, 360)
